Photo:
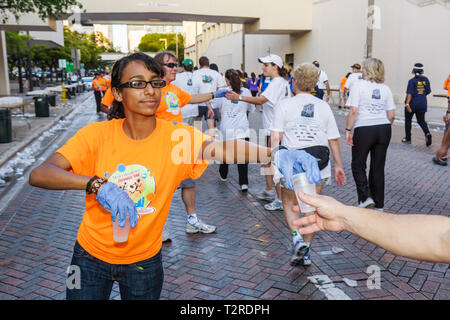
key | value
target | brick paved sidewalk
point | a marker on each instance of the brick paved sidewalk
(247, 258)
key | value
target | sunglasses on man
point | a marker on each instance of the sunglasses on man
(142, 84)
(171, 65)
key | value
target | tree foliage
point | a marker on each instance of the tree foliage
(153, 42)
(45, 57)
(44, 8)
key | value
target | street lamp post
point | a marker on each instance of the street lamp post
(165, 43)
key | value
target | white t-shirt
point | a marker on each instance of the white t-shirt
(322, 79)
(372, 100)
(352, 79)
(305, 121)
(184, 81)
(207, 80)
(277, 90)
(222, 84)
(234, 122)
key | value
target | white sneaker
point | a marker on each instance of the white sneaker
(244, 187)
(199, 226)
(266, 195)
(379, 209)
(222, 179)
(367, 204)
(166, 235)
(299, 250)
(274, 205)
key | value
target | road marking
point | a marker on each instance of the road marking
(324, 284)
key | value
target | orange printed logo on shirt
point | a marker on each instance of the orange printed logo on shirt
(173, 99)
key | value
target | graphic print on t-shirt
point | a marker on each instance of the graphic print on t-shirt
(376, 94)
(308, 111)
(138, 182)
(173, 103)
(207, 79)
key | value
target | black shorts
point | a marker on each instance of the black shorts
(203, 113)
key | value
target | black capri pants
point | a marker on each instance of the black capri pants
(374, 140)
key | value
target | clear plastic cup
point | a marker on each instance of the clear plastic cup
(121, 234)
(301, 183)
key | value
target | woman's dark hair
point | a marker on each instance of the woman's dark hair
(283, 72)
(253, 75)
(214, 66)
(118, 111)
(235, 80)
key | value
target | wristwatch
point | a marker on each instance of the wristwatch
(94, 184)
(240, 97)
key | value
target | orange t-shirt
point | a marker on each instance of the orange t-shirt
(447, 86)
(172, 100)
(108, 98)
(150, 171)
(99, 84)
(343, 81)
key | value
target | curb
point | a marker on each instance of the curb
(34, 136)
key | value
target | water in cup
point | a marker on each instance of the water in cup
(121, 234)
(301, 183)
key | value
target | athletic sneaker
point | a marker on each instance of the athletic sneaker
(307, 258)
(244, 187)
(379, 209)
(277, 204)
(266, 195)
(439, 162)
(299, 250)
(367, 204)
(199, 226)
(404, 140)
(166, 235)
(222, 179)
(428, 139)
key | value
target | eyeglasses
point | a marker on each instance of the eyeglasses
(142, 84)
(171, 65)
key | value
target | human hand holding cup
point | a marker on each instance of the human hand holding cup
(119, 204)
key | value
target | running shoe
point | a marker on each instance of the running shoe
(367, 204)
(199, 226)
(428, 139)
(266, 195)
(299, 250)
(379, 209)
(274, 205)
(439, 162)
(244, 187)
(404, 140)
(307, 258)
(166, 235)
(222, 179)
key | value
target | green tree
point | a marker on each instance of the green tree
(44, 8)
(154, 42)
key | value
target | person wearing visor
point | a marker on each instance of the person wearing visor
(277, 90)
(416, 103)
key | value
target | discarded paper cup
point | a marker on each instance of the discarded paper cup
(301, 183)
(121, 234)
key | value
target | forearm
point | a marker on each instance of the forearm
(336, 152)
(49, 176)
(236, 152)
(200, 97)
(408, 98)
(254, 100)
(419, 237)
(351, 118)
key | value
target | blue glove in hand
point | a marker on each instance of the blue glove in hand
(292, 162)
(221, 93)
(117, 201)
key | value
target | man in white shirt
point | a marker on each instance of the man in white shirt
(322, 84)
(353, 78)
(207, 80)
(184, 81)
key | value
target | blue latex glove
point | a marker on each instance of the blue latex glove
(292, 162)
(221, 93)
(117, 201)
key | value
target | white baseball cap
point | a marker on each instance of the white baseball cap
(272, 58)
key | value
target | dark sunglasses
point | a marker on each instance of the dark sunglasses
(142, 84)
(171, 65)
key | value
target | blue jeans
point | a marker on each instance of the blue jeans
(142, 280)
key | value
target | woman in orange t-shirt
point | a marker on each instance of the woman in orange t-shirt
(130, 168)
